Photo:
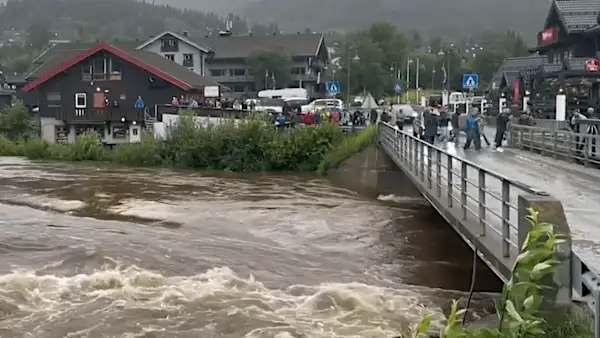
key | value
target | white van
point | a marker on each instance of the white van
(321, 104)
(285, 93)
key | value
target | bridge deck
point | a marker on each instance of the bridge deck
(577, 187)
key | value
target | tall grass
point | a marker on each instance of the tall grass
(348, 147)
(245, 146)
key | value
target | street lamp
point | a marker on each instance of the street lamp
(354, 59)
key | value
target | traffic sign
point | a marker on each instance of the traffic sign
(333, 87)
(398, 87)
(470, 81)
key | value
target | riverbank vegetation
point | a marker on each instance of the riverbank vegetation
(349, 146)
(519, 310)
(251, 145)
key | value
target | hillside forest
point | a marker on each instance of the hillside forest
(377, 56)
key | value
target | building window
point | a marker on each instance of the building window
(169, 45)
(170, 57)
(134, 131)
(239, 89)
(54, 97)
(86, 73)
(238, 72)
(217, 72)
(188, 60)
(115, 69)
(119, 132)
(299, 71)
(80, 100)
(100, 66)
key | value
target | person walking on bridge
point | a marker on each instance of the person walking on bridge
(430, 121)
(481, 126)
(472, 132)
(501, 126)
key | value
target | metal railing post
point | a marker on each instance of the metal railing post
(438, 172)
(505, 218)
(450, 175)
(481, 201)
(463, 189)
(422, 161)
(429, 164)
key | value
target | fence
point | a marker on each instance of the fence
(560, 144)
(483, 205)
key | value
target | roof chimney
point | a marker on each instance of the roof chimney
(185, 34)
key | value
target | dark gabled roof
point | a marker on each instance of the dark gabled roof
(52, 61)
(81, 47)
(242, 46)
(153, 63)
(511, 68)
(189, 77)
(578, 15)
(15, 79)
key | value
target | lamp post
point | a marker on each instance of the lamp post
(395, 72)
(408, 62)
(350, 61)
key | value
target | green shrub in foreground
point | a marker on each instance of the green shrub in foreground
(241, 146)
(348, 147)
(519, 310)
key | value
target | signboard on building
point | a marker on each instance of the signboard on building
(592, 65)
(211, 91)
(548, 36)
(517, 91)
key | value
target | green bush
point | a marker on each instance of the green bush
(349, 146)
(9, 147)
(145, 153)
(35, 149)
(249, 145)
(519, 309)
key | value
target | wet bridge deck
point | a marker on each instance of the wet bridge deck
(577, 187)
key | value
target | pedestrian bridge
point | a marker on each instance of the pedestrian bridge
(484, 195)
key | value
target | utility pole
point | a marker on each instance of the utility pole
(417, 81)
(408, 61)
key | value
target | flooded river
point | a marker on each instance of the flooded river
(91, 251)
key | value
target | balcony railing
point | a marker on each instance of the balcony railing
(204, 112)
(107, 114)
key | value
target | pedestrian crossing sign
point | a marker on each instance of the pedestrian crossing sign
(470, 81)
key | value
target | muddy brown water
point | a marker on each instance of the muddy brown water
(94, 251)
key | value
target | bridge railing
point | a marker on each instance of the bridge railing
(560, 144)
(474, 195)
(487, 200)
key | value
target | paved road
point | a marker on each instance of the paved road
(575, 186)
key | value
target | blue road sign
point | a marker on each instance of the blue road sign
(398, 87)
(470, 81)
(333, 87)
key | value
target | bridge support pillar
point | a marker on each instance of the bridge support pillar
(559, 292)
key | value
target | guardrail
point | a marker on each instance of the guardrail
(478, 197)
(482, 206)
(560, 144)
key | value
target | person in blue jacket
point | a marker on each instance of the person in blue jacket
(139, 103)
(473, 133)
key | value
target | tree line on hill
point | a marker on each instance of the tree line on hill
(375, 57)
(27, 25)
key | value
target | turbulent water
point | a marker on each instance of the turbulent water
(111, 252)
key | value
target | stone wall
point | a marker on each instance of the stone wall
(373, 172)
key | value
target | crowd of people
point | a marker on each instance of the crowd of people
(439, 126)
